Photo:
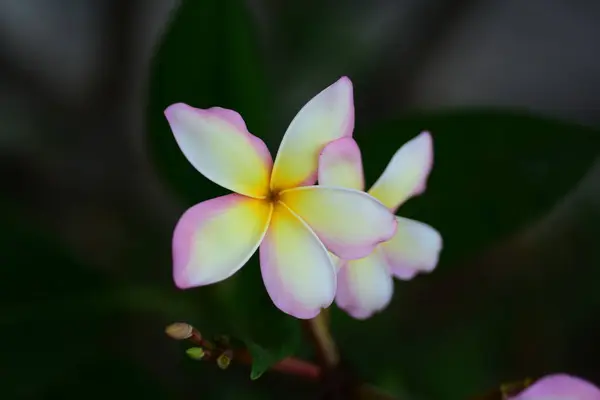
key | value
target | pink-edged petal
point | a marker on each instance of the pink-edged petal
(296, 268)
(405, 273)
(215, 238)
(365, 286)
(560, 387)
(326, 117)
(216, 142)
(349, 222)
(414, 248)
(340, 164)
(406, 174)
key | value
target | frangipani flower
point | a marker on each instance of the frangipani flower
(273, 207)
(560, 387)
(365, 285)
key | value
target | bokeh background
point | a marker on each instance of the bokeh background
(93, 185)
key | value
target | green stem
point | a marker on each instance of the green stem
(327, 351)
(329, 356)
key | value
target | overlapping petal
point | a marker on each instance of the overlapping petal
(349, 222)
(328, 116)
(215, 238)
(560, 387)
(216, 142)
(414, 248)
(296, 268)
(340, 164)
(365, 286)
(406, 174)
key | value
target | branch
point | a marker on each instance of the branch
(223, 353)
(368, 392)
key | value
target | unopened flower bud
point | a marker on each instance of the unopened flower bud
(225, 359)
(195, 353)
(179, 331)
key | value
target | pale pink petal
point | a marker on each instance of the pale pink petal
(405, 273)
(365, 286)
(560, 387)
(216, 142)
(215, 238)
(414, 248)
(406, 174)
(327, 117)
(349, 222)
(340, 164)
(297, 270)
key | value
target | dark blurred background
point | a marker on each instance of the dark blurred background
(512, 87)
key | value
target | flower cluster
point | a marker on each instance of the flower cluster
(316, 243)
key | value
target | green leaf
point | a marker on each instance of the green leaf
(284, 342)
(119, 374)
(209, 57)
(57, 313)
(494, 171)
(263, 359)
(48, 324)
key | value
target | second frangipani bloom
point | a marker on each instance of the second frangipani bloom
(560, 387)
(273, 207)
(365, 285)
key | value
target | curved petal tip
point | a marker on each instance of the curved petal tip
(407, 172)
(326, 117)
(172, 110)
(217, 143)
(365, 286)
(415, 248)
(423, 143)
(344, 80)
(340, 164)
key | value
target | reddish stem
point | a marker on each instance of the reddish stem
(289, 366)
(294, 366)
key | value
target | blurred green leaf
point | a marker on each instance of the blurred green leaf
(494, 171)
(209, 57)
(57, 316)
(106, 375)
(47, 329)
(263, 358)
